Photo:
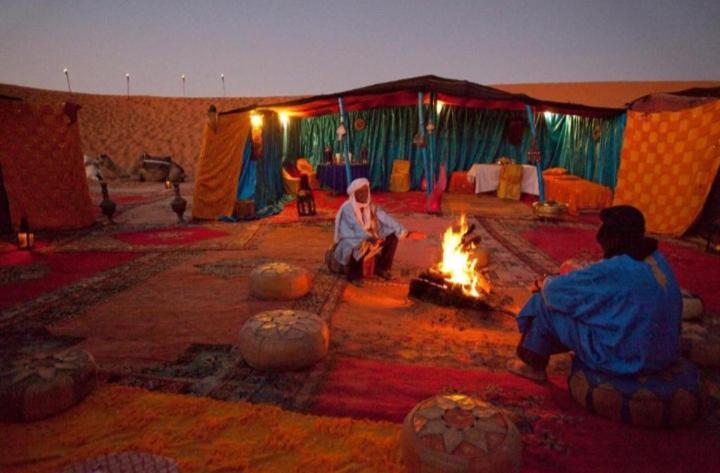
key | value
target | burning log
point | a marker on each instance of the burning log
(455, 280)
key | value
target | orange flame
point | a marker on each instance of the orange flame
(458, 265)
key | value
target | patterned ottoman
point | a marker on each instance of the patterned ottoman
(40, 385)
(282, 340)
(279, 281)
(669, 398)
(459, 433)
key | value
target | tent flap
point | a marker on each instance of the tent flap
(668, 164)
(218, 168)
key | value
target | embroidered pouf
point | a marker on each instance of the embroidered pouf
(282, 340)
(671, 397)
(459, 433)
(40, 385)
(701, 344)
(692, 308)
(125, 462)
(279, 281)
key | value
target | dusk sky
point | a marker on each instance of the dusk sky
(290, 47)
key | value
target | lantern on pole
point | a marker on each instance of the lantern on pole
(222, 80)
(25, 237)
(127, 81)
(67, 78)
(182, 78)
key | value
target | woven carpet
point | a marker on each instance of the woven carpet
(327, 205)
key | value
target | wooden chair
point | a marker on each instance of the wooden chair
(510, 185)
(400, 177)
(291, 184)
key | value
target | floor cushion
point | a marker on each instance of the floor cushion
(283, 340)
(671, 397)
(279, 281)
(455, 432)
(125, 462)
(39, 385)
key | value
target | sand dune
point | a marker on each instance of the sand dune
(125, 127)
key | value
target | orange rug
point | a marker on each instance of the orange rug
(200, 435)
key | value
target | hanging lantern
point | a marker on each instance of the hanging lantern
(341, 131)
(256, 122)
(533, 155)
(430, 127)
(168, 184)
(305, 199)
(25, 237)
(419, 140)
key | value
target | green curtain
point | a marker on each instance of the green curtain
(269, 187)
(465, 136)
(568, 141)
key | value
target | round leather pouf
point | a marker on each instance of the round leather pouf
(671, 397)
(40, 385)
(701, 344)
(692, 306)
(279, 281)
(282, 340)
(459, 433)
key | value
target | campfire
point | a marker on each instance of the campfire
(455, 279)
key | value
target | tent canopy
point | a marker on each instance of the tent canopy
(404, 93)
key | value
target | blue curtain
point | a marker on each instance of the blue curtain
(465, 136)
(568, 141)
(269, 190)
(248, 174)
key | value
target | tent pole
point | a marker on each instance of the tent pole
(432, 118)
(421, 149)
(345, 138)
(538, 166)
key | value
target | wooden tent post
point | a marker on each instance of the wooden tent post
(432, 118)
(421, 147)
(538, 165)
(345, 141)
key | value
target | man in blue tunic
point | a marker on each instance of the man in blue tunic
(363, 230)
(620, 316)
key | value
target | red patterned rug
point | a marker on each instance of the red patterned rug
(169, 236)
(558, 435)
(26, 275)
(327, 205)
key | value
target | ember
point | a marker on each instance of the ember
(455, 280)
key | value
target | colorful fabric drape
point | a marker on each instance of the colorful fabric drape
(42, 167)
(669, 161)
(218, 167)
(465, 136)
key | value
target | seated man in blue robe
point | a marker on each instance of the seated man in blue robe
(363, 230)
(620, 316)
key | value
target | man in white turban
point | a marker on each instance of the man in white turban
(363, 230)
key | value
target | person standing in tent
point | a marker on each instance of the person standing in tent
(620, 316)
(363, 230)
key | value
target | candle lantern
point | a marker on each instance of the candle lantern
(364, 154)
(328, 154)
(168, 184)
(256, 132)
(178, 205)
(25, 237)
(305, 199)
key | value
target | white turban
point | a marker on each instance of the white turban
(361, 210)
